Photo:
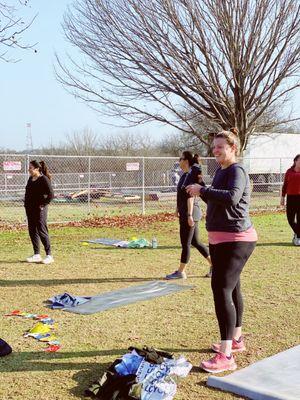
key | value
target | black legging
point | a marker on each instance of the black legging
(38, 230)
(190, 236)
(293, 212)
(228, 260)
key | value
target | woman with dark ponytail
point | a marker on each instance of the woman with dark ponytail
(189, 214)
(38, 195)
(44, 170)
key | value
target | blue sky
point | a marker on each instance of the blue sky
(30, 92)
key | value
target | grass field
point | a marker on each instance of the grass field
(183, 323)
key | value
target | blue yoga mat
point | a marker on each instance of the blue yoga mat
(122, 297)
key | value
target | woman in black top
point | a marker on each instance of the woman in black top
(189, 214)
(38, 195)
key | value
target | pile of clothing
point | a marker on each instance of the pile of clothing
(138, 243)
(43, 329)
(66, 300)
(144, 374)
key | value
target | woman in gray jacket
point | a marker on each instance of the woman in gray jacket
(232, 239)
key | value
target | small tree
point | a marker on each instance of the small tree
(226, 60)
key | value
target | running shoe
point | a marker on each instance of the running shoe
(36, 258)
(48, 260)
(219, 363)
(296, 240)
(176, 275)
(209, 274)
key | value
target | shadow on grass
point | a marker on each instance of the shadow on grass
(92, 246)
(44, 362)
(53, 282)
(284, 244)
(41, 361)
(14, 262)
(73, 281)
(86, 372)
(219, 391)
(86, 377)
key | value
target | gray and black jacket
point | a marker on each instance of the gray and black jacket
(228, 200)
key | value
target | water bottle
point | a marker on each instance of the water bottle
(154, 243)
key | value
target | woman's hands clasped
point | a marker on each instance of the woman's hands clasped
(194, 190)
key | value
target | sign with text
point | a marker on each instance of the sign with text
(134, 166)
(12, 165)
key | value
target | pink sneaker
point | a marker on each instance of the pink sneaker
(237, 346)
(219, 363)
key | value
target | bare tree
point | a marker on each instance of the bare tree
(128, 144)
(11, 29)
(82, 143)
(144, 60)
(175, 144)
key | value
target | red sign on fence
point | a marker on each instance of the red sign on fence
(12, 165)
(134, 166)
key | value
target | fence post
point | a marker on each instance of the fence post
(89, 184)
(281, 179)
(143, 186)
(26, 166)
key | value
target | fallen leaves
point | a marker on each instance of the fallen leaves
(124, 221)
(120, 221)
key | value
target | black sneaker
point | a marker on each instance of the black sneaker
(208, 275)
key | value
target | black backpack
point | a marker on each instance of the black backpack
(5, 348)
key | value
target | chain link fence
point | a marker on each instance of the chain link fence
(99, 186)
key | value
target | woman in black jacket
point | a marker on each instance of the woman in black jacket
(189, 214)
(38, 195)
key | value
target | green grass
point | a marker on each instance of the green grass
(183, 323)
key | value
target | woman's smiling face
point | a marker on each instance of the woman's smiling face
(223, 152)
(32, 170)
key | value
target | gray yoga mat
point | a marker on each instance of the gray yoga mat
(104, 241)
(274, 378)
(126, 296)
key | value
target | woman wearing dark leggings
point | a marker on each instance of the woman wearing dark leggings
(291, 189)
(38, 195)
(189, 214)
(232, 240)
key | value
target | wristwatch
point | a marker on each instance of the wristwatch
(201, 191)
